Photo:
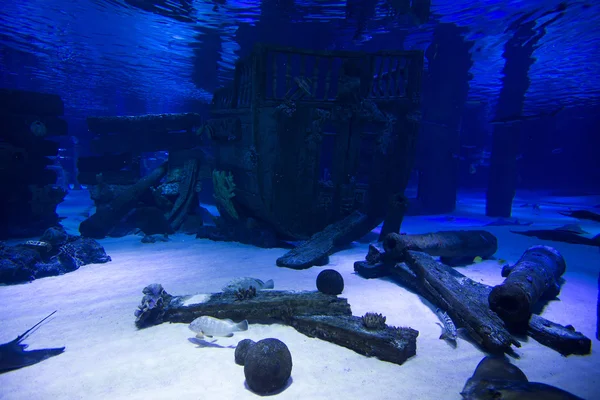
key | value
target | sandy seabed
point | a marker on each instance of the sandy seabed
(106, 357)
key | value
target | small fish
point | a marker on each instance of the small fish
(497, 378)
(245, 283)
(448, 328)
(477, 259)
(210, 326)
(502, 261)
(39, 244)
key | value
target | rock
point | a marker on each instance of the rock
(24, 262)
(55, 235)
(268, 366)
(330, 281)
(241, 350)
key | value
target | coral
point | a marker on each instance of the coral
(373, 321)
(245, 294)
(152, 308)
(224, 188)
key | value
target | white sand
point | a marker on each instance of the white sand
(106, 357)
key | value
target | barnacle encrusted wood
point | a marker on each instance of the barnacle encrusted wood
(466, 302)
(445, 244)
(312, 313)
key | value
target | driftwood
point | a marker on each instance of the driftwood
(466, 302)
(100, 223)
(268, 306)
(534, 277)
(448, 245)
(395, 215)
(316, 250)
(310, 312)
(391, 344)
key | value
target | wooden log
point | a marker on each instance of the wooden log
(564, 339)
(30, 103)
(438, 284)
(393, 220)
(268, 306)
(316, 250)
(100, 223)
(310, 312)
(470, 298)
(535, 276)
(147, 123)
(391, 344)
(446, 244)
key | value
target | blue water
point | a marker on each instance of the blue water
(107, 57)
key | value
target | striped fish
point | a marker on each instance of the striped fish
(448, 327)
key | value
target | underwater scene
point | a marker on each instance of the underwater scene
(300, 199)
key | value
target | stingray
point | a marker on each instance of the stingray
(497, 378)
(508, 222)
(556, 235)
(582, 214)
(574, 228)
(13, 355)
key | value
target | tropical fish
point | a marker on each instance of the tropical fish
(477, 259)
(495, 378)
(245, 283)
(210, 326)
(13, 355)
(39, 244)
(448, 327)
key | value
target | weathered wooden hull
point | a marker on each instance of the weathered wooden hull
(304, 153)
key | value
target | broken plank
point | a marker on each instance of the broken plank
(391, 344)
(316, 250)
